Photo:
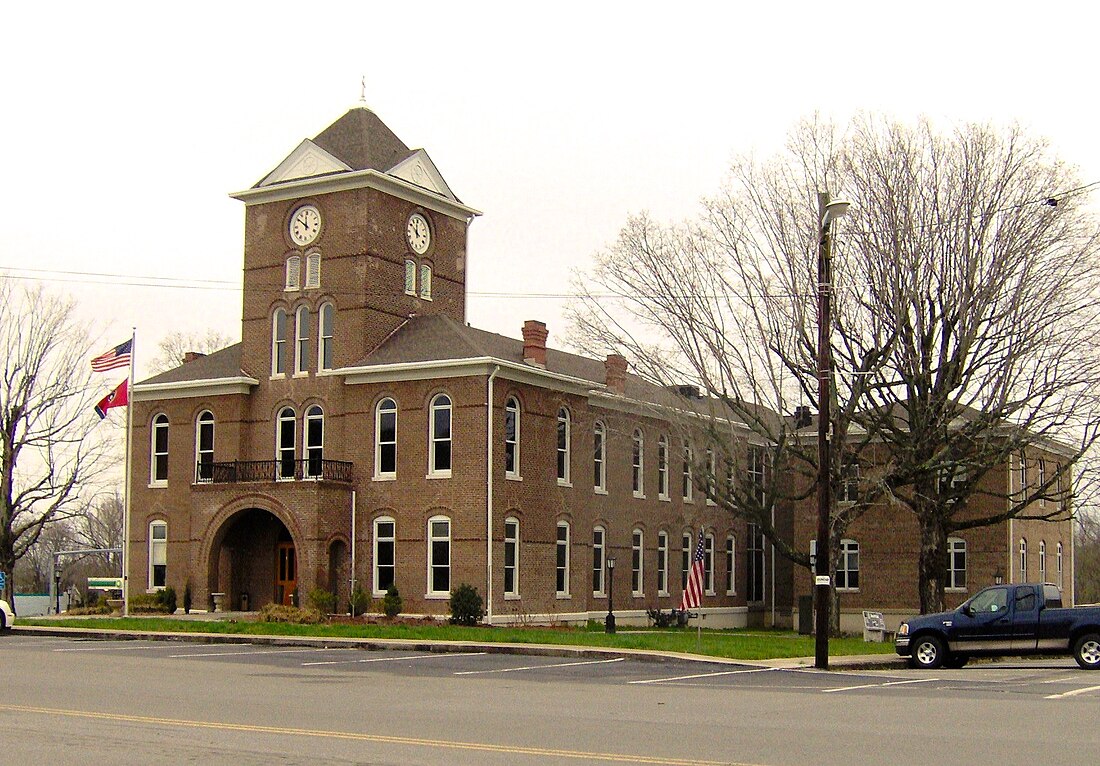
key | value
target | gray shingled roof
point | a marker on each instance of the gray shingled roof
(219, 365)
(363, 141)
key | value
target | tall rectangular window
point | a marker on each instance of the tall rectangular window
(685, 560)
(599, 457)
(686, 483)
(708, 564)
(511, 557)
(847, 572)
(324, 350)
(439, 556)
(731, 555)
(662, 468)
(159, 464)
(158, 554)
(597, 561)
(637, 469)
(301, 359)
(384, 548)
(662, 563)
(511, 438)
(204, 447)
(758, 474)
(754, 580)
(956, 563)
(636, 549)
(439, 463)
(278, 343)
(563, 446)
(562, 562)
(385, 436)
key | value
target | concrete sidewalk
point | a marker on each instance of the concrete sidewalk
(846, 662)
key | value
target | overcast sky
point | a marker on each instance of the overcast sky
(126, 126)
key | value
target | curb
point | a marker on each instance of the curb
(860, 662)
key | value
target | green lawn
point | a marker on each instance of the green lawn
(733, 644)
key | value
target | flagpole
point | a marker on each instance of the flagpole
(126, 490)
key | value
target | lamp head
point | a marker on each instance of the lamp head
(835, 209)
(610, 562)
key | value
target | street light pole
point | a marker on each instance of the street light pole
(609, 622)
(827, 212)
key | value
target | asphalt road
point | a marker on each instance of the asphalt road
(66, 701)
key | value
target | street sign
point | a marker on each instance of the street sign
(105, 582)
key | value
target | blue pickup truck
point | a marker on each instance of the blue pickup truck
(1004, 620)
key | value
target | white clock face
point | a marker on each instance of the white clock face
(418, 233)
(305, 225)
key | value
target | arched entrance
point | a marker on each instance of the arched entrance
(253, 561)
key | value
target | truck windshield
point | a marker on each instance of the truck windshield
(992, 600)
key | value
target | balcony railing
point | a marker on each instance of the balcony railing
(240, 471)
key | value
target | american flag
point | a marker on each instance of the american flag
(119, 356)
(693, 593)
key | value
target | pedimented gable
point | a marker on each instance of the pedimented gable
(306, 161)
(419, 169)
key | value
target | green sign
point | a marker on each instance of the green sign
(105, 582)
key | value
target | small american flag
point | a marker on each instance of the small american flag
(119, 356)
(693, 593)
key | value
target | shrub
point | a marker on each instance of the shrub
(187, 598)
(466, 605)
(323, 601)
(359, 602)
(291, 614)
(146, 603)
(391, 604)
(166, 598)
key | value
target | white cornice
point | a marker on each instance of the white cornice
(357, 179)
(459, 368)
(149, 392)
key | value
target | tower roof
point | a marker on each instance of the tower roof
(362, 141)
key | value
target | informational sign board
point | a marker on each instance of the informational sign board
(113, 583)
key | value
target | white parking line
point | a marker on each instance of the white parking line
(396, 659)
(538, 667)
(879, 686)
(253, 651)
(121, 645)
(1073, 693)
(702, 675)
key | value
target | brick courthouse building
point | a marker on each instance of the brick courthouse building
(361, 430)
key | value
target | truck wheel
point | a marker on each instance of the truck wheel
(1087, 651)
(927, 653)
(957, 660)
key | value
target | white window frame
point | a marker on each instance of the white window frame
(956, 577)
(158, 458)
(326, 319)
(561, 561)
(391, 538)
(1042, 561)
(844, 572)
(410, 276)
(662, 468)
(433, 565)
(293, 273)
(564, 441)
(599, 458)
(512, 408)
(301, 341)
(314, 416)
(712, 476)
(1023, 559)
(687, 549)
(756, 582)
(687, 479)
(637, 563)
(731, 565)
(282, 448)
(1058, 555)
(434, 440)
(204, 458)
(278, 343)
(708, 564)
(637, 461)
(662, 563)
(313, 271)
(599, 561)
(425, 281)
(511, 540)
(158, 554)
(381, 409)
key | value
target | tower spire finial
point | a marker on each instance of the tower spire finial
(363, 90)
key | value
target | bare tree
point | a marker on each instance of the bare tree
(50, 453)
(964, 325)
(171, 350)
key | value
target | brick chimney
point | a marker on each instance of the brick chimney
(190, 356)
(615, 367)
(534, 343)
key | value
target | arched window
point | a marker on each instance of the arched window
(439, 556)
(1023, 559)
(1058, 554)
(301, 327)
(561, 568)
(278, 343)
(599, 457)
(662, 563)
(511, 557)
(410, 276)
(285, 444)
(847, 569)
(385, 439)
(158, 473)
(956, 564)
(204, 447)
(425, 281)
(385, 539)
(511, 438)
(324, 344)
(1042, 561)
(563, 446)
(662, 467)
(731, 561)
(315, 442)
(439, 457)
(158, 554)
(293, 272)
(598, 561)
(636, 562)
(313, 270)
(637, 458)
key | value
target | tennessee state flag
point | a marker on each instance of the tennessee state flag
(120, 397)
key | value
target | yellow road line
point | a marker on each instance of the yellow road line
(379, 738)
